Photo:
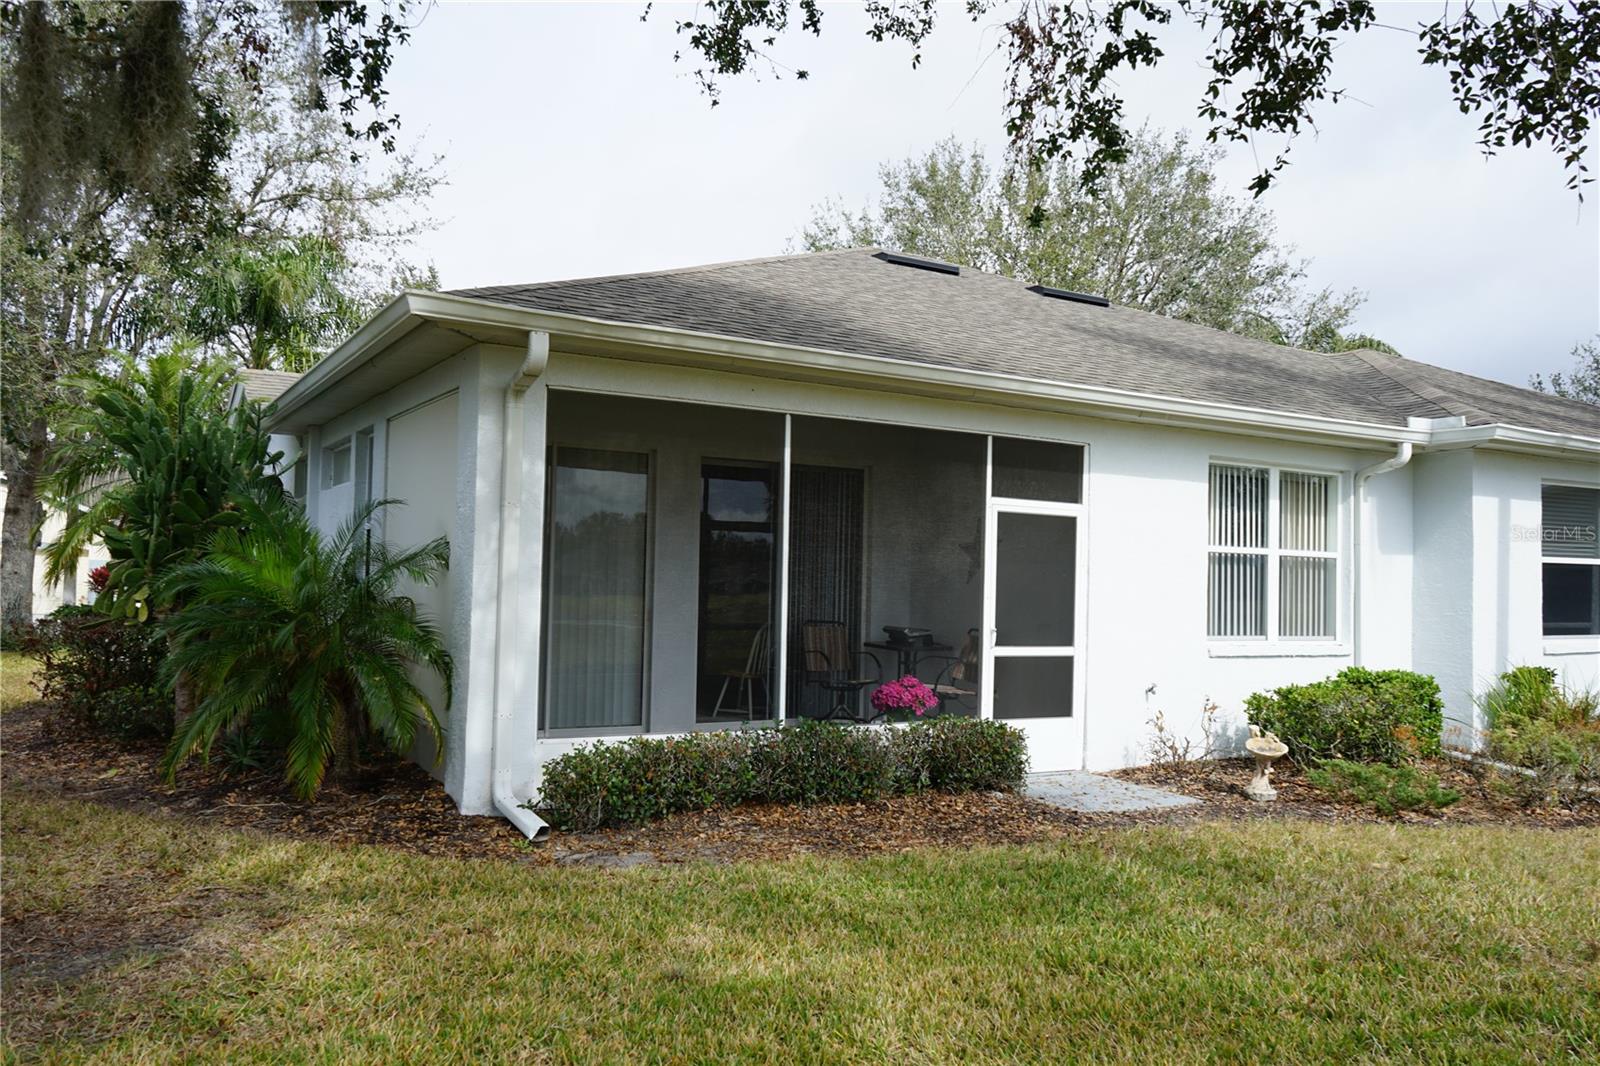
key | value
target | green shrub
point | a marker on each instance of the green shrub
(1385, 716)
(645, 778)
(970, 754)
(103, 672)
(1551, 731)
(1388, 788)
(823, 762)
(1526, 694)
(637, 780)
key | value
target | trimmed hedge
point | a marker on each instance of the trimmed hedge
(632, 781)
(1383, 716)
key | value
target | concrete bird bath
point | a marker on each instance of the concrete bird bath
(1267, 749)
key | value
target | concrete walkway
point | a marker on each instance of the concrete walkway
(1079, 790)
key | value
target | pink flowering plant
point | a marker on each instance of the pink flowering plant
(904, 694)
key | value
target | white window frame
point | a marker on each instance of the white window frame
(347, 444)
(1272, 642)
(1562, 643)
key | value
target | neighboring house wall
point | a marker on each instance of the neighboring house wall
(72, 589)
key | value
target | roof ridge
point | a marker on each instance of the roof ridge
(699, 268)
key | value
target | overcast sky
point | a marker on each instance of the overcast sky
(575, 146)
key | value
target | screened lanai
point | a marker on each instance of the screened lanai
(710, 566)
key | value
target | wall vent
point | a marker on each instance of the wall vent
(920, 264)
(1068, 294)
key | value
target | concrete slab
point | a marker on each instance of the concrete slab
(1078, 790)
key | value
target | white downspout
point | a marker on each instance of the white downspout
(511, 464)
(1401, 457)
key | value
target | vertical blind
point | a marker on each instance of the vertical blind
(1305, 582)
(1303, 555)
(1237, 581)
(594, 655)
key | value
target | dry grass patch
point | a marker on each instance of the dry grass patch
(17, 671)
(1276, 942)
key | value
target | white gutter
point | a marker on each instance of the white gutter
(1401, 457)
(1515, 438)
(506, 800)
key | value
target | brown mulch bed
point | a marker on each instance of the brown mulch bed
(396, 804)
(1220, 784)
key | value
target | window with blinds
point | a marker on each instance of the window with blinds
(1569, 532)
(1273, 558)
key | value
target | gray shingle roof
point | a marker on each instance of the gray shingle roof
(852, 301)
(266, 385)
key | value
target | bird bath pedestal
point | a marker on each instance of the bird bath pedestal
(1267, 750)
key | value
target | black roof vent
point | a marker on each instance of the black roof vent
(920, 264)
(1068, 294)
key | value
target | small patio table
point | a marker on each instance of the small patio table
(910, 654)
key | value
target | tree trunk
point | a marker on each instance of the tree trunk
(22, 516)
(346, 763)
(183, 700)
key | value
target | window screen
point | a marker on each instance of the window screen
(336, 463)
(598, 593)
(1571, 548)
(1038, 470)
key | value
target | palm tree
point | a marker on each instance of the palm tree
(273, 307)
(282, 626)
(151, 462)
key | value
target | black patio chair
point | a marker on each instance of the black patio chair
(833, 666)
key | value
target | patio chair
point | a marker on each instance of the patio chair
(833, 666)
(755, 669)
(959, 681)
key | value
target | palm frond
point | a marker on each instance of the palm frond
(281, 620)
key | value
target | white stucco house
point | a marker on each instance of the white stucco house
(674, 499)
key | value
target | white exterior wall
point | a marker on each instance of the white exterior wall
(1447, 587)
(455, 494)
(1145, 534)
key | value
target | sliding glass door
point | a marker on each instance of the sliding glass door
(598, 569)
(738, 579)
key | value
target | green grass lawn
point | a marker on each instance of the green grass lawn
(1267, 942)
(16, 679)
